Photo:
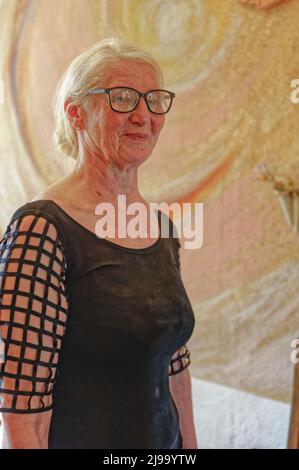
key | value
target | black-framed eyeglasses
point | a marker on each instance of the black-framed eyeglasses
(126, 99)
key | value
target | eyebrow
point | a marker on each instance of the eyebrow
(130, 86)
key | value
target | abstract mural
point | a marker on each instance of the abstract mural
(230, 64)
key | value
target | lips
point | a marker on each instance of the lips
(135, 136)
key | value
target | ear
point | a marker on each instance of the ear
(73, 114)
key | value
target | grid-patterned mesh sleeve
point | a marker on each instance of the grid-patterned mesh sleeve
(33, 313)
(179, 361)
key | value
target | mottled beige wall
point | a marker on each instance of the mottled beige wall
(230, 65)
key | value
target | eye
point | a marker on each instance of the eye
(124, 97)
(153, 98)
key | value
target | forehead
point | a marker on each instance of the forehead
(137, 75)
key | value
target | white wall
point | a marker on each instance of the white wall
(229, 419)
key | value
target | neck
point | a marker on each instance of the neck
(91, 185)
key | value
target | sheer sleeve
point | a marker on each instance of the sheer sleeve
(33, 313)
(179, 361)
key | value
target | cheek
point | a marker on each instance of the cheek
(110, 121)
(158, 124)
(111, 128)
(117, 123)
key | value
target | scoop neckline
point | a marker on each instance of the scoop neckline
(125, 248)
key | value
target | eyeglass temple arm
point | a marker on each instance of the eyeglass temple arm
(97, 91)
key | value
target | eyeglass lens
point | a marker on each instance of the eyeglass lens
(124, 99)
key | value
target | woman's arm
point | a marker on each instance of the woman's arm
(33, 312)
(26, 431)
(180, 388)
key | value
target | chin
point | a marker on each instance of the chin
(141, 157)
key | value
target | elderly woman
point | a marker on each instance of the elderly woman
(95, 329)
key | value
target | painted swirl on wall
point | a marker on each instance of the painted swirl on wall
(230, 66)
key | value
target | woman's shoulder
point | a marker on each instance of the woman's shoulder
(40, 219)
(40, 207)
(55, 192)
(41, 204)
(51, 199)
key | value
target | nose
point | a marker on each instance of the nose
(141, 113)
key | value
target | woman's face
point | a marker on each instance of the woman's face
(108, 129)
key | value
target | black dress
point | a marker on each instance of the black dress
(90, 330)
